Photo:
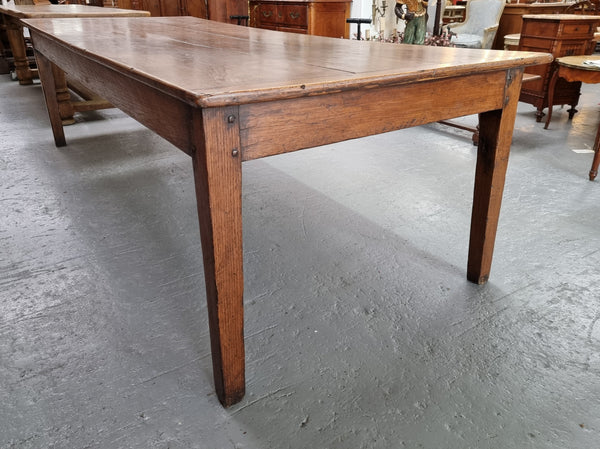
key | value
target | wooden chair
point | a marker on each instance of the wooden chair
(591, 7)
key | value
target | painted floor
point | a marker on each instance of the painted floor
(361, 329)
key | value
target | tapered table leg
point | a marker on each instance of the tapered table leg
(495, 136)
(596, 161)
(218, 178)
(46, 71)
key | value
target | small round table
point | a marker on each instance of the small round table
(574, 68)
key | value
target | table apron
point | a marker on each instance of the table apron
(575, 74)
(287, 125)
(161, 112)
(281, 126)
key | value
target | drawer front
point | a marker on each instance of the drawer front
(574, 30)
(539, 28)
(293, 30)
(266, 13)
(571, 48)
(535, 43)
(292, 15)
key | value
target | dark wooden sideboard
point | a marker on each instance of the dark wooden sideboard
(219, 10)
(318, 17)
(561, 35)
(195, 8)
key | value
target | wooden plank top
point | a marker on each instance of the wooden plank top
(559, 17)
(212, 64)
(59, 11)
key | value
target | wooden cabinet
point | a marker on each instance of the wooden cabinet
(196, 8)
(222, 10)
(561, 35)
(511, 20)
(219, 10)
(318, 17)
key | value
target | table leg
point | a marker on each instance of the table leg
(63, 96)
(46, 71)
(596, 161)
(495, 136)
(218, 179)
(551, 87)
(14, 33)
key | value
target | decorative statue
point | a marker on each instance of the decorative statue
(414, 12)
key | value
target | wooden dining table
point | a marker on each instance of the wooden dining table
(225, 94)
(12, 15)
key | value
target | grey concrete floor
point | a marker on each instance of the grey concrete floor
(361, 328)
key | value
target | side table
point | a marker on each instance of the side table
(574, 68)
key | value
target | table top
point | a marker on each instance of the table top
(57, 11)
(559, 17)
(577, 62)
(211, 64)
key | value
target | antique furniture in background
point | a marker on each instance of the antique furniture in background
(228, 11)
(585, 7)
(195, 8)
(264, 96)
(574, 68)
(12, 16)
(453, 13)
(479, 28)
(318, 17)
(561, 35)
(223, 10)
(512, 18)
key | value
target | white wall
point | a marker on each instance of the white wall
(364, 9)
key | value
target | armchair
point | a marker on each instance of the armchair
(480, 25)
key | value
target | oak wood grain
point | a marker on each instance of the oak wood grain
(224, 94)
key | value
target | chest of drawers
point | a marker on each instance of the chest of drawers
(318, 17)
(561, 35)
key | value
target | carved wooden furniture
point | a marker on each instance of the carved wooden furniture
(584, 7)
(13, 15)
(308, 88)
(561, 35)
(574, 68)
(511, 20)
(318, 17)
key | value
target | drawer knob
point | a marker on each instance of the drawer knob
(294, 15)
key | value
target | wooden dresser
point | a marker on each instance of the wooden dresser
(319, 17)
(561, 35)
(511, 20)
